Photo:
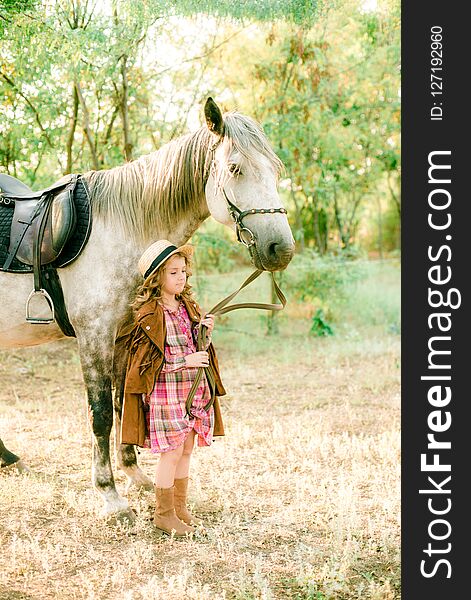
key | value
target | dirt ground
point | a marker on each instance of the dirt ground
(300, 498)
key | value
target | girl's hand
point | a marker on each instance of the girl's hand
(198, 359)
(208, 320)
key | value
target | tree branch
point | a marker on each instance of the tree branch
(106, 139)
(204, 55)
(30, 104)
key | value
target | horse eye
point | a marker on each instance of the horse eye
(234, 169)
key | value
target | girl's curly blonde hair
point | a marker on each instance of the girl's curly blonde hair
(151, 288)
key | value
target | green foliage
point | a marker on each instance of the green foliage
(214, 254)
(374, 300)
(319, 326)
(217, 253)
(17, 6)
(322, 78)
(313, 278)
(299, 11)
(340, 290)
(358, 310)
(328, 96)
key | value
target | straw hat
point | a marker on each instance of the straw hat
(158, 253)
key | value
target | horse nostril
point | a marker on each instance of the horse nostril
(279, 253)
(272, 250)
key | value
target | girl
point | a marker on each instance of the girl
(162, 366)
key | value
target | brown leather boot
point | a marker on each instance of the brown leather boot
(165, 518)
(181, 510)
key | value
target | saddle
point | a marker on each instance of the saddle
(42, 221)
(42, 226)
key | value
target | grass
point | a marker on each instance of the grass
(300, 498)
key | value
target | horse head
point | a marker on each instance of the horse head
(241, 187)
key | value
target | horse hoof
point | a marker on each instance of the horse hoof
(22, 468)
(139, 480)
(125, 517)
(17, 466)
(146, 486)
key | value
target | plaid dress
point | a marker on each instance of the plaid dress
(167, 421)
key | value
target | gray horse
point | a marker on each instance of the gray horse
(225, 167)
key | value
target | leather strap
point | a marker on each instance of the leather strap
(38, 240)
(221, 308)
(21, 235)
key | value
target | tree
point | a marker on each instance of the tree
(327, 95)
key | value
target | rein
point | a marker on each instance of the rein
(222, 308)
(244, 236)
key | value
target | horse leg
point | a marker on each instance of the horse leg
(8, 459)
(96, 358)
(125, 453)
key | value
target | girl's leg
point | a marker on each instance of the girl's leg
(181, 483)
(165, 471)
(183, 465)
(165, 518)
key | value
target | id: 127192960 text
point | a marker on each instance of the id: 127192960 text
(436, 72)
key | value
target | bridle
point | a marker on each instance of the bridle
(244, 234)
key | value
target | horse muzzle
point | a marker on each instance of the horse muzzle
(272, 256)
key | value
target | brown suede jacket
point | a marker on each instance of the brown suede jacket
(146, 343)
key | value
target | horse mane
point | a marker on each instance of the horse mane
(161, 188)
(246, 136)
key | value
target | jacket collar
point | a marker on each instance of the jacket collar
(147, 309)
(151, 319)
(152, 306)
(192, 309)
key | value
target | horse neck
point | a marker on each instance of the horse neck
(159, 195)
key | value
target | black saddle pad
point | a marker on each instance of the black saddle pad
(74, 245)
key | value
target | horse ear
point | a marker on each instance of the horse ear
(213, 116)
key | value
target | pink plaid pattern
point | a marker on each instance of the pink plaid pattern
(167, 422)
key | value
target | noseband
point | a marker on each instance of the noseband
(244, 234)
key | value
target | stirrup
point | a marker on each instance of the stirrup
(40, 320)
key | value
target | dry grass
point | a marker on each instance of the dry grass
(301, 497)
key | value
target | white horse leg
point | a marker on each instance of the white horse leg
(125, 453)
(127, 461)
(96, 359)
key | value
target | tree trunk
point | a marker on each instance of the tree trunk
(352, 225)
(272, 321)
(298, 220)
(124, 109)
(107, 137)
(73, 125)
(323, 230)
(380, 229)
(338, 218)
(86, 127)
(396, 199)
(319, 226)
(316, 229)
